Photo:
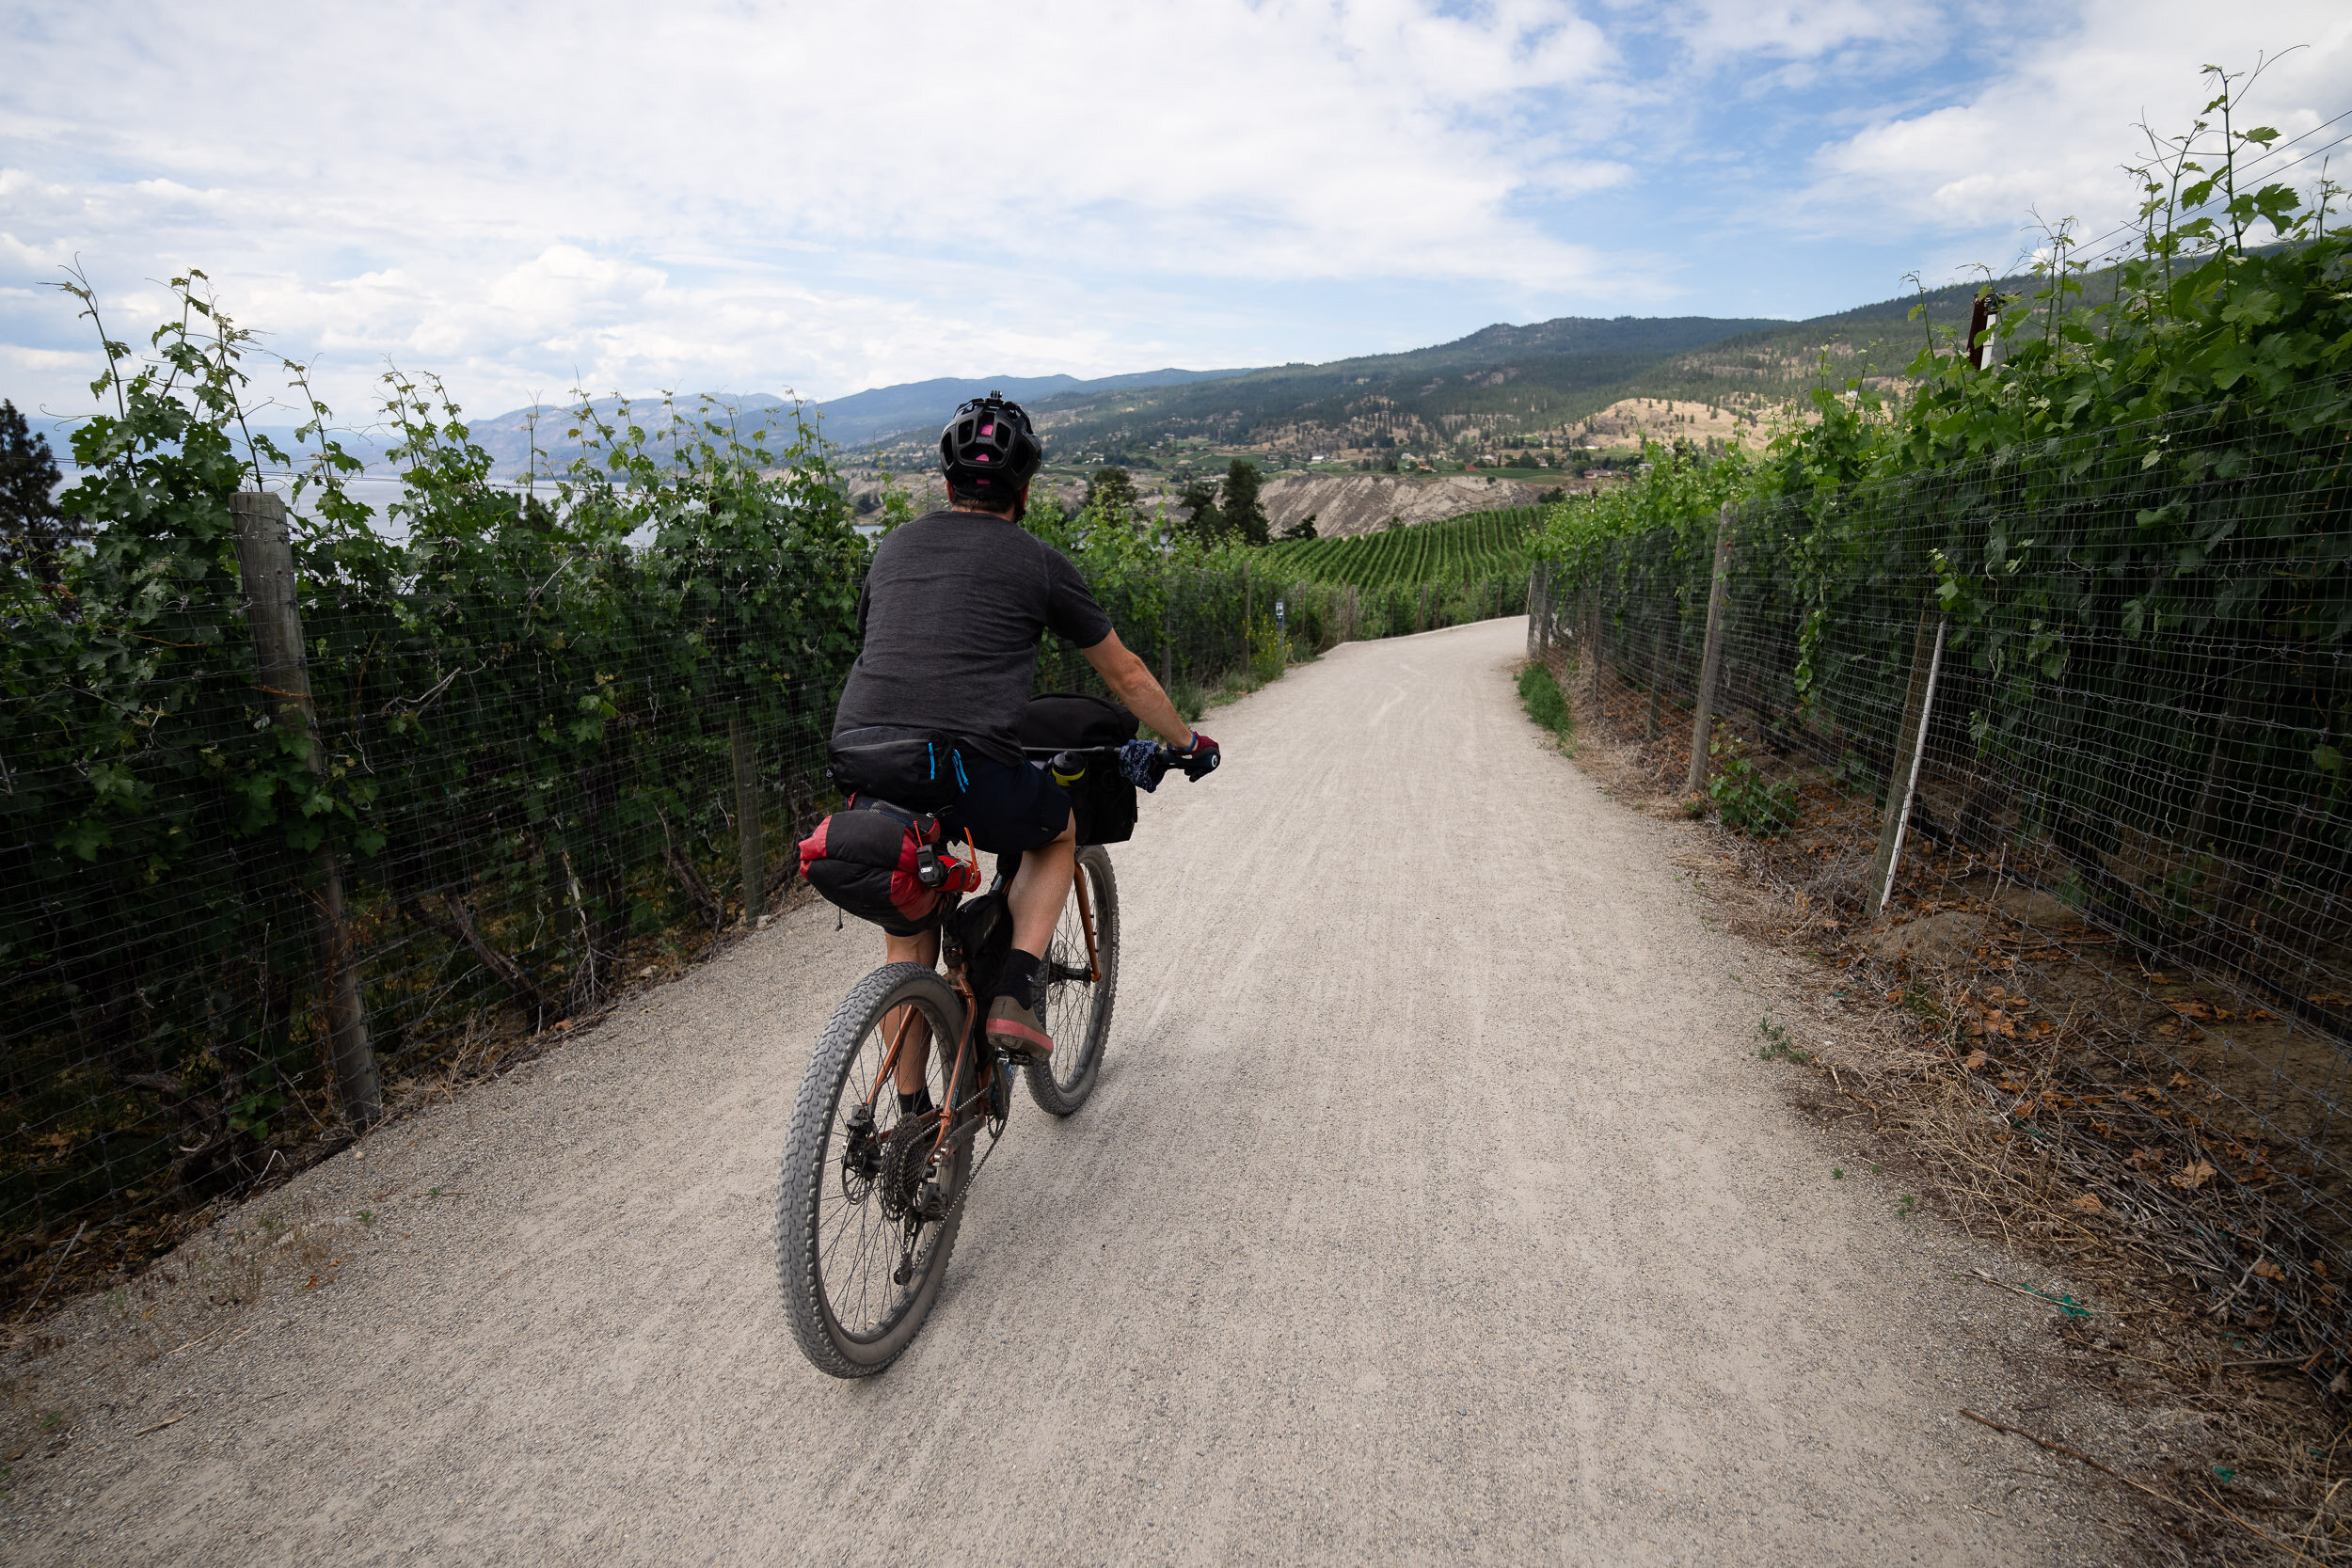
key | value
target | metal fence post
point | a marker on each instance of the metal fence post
(1911, 750)
(1593, 609)
(1711, 661)
(265, 562)
(747, 829)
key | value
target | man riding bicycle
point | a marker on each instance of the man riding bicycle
(953, 612)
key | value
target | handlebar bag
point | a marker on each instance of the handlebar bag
(885, 863)
(1101, 798)
(1062, 721)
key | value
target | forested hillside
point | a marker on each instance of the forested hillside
(1500, 387)
(1502, 377)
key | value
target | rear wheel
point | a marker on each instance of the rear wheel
(868, 1211)
(1077, 1009)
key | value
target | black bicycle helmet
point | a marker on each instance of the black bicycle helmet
(990, 451)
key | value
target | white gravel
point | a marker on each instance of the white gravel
(1434, 1206)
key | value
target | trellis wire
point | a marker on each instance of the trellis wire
(2131, 793)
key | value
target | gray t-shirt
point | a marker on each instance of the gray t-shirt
(950, 620)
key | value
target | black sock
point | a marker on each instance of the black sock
(916, 1103)
(1018, 979)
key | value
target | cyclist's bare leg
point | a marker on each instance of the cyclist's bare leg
(1040, 889)
(916, 1054)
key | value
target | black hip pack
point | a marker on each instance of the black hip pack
(887, 864)
(919, 770)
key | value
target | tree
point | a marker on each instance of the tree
(32, 532)
(1303, 529)
(1245, 519)
(1202, 519)
(1112, 493)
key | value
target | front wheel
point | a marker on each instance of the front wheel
(1076, 986)
(868, 1209)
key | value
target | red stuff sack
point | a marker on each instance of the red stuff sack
(886, 865)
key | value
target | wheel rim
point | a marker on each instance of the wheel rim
(861, 1245)
(1070, 999)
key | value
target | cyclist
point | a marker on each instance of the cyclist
(950, 620)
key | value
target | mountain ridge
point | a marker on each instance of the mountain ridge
(1536, 383)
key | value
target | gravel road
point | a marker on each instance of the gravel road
(1433, 1207)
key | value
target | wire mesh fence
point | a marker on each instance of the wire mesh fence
(2067, 723)
(294, 823)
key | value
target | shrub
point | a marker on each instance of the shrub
(1540, 695)
(1749, 803)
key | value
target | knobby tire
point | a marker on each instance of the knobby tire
(1077, 1014)
(849, 1320)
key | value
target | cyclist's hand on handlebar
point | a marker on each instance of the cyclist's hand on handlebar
(1144, 763)
(1200, 759)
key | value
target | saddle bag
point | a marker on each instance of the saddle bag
(885, 863)
(1100, 797)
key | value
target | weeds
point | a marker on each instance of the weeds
(1749, 803)
(1777, 1047)
(1540, 694)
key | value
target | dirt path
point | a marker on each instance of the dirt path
(1434, 1206)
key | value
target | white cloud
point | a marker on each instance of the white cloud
(2051, 130)
(1807, 30)
(495, 182)
(754, 194)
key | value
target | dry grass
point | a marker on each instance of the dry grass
(2002, 1070)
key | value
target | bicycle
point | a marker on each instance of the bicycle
(872, 1197)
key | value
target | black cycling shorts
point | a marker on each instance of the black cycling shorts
(1006, 807)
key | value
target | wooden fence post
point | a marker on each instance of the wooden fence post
(1711, 661)
(265, 562)
(1911, 749)
(1538, 634)
(747, 829)
(1249, 611)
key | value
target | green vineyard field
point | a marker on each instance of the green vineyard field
(1467, 548)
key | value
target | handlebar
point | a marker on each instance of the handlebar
(1070, 762)
(1081, 755)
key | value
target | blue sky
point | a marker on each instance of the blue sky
(751, 197)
